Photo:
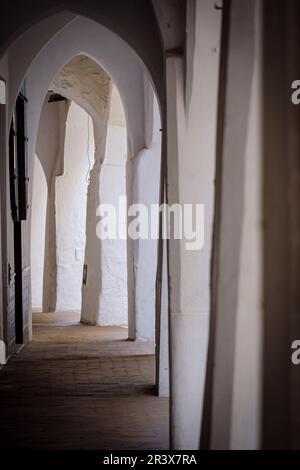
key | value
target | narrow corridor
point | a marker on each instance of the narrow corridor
(81, 387)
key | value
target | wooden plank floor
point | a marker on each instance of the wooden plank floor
(81, 387)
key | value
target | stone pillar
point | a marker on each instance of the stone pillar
(114, 293)
(85, 82)
(191, 128)
(90, 307)
(146, 191)
(51, 155)
(245, 432)
(91, 289)
(236, 300)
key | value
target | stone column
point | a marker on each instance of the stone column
(235, 329)
(85, 82)
(146, 191)
(191, 128)
(55, 154)
(91, 289)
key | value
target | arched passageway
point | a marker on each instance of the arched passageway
(127, 151)
(202, 61)
(86, 171)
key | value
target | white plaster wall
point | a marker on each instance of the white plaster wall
(246, 413)
(48, 139)
(116, 57)
(71, 197)
(71, 222)
(50, 151)
(146, 186)
(82, 36)
(191, 151)
(38, 220)
(114, 291)
(23, 51)
(82, 80)
(235, 397)
(119, 59)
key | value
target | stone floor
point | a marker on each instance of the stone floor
(81, 387)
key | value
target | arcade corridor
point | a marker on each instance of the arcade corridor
(81, 387)
(150, 179)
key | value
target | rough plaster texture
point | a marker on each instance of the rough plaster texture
(126, 73)
(114, 295)
(84, 81)
(79, 35)
(70, 205)
(146, 185)
(108, 303)
(70, 212)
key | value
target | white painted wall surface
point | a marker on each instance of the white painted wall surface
(71, 223)
(81, 80)
(82, 36)
(38, 218)
(50, 151)
(114, 292)
(247, 386)
(146, 185)
(71, 190)
(191, 151)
